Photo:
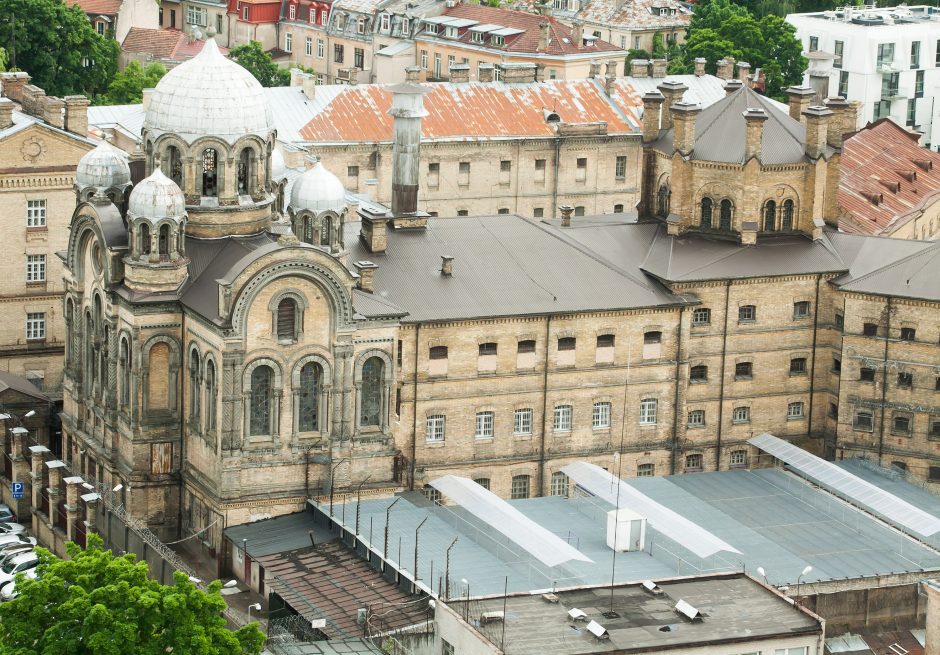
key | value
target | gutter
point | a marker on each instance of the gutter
(555, 183)
(721, 381)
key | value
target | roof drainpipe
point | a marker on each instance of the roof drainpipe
(548, 324)
(675, 414)
(721, 381)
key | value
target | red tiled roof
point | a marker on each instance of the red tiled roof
(883, 162)
(477, 110)
(331, 581)
(560, 42)
(166, 44)
(98, 7)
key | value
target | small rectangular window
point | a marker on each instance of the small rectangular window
(566, 343)
(435, 428)
(738, 458)
(35, 213)
(605, 341)
(35, 325)
(35, 268)
(693, 463)
(560, 484)
(839, 321)
(838, 50)
(601, 416)
(866, 374)
(836, 365)
(561, 421)
(484, 429)
(743, 370)
(352, 171)
(645, 470)
(843, 83)
(908, 334)
(905, 380)
(620, 168)
(698, 373)
(901, 424)
(795, 410)
(741, 415)
(540, 164)
(438, 352)
(526, 346)
(701, 316)
(813, 43)
(522, 421)
(798, 366)
(933, 472)
(518, 491)
(483, 482)
(870, 329)
(538, 212)
(488, 349)
(505, 166)
(747, 313)
(582, 162)
(696, 418)
(801, 309)
(648, 408)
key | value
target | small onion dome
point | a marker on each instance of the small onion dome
(278, 165)
(105, 166)
(156, 198)
(318, 190)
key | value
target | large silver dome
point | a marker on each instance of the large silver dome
(209, 95)
(105, 166)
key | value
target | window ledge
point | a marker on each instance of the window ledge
(694, 427)
(747, 320)
(647, 425)
(561, 431)
(737, 466)
(526, 436)
(477, 439)
(900, 434)
(698, 381)
(858, 429)
(743, 377)
(740, 422)
(796, 418)
(434, 444)
(605, 428)
(803, 374)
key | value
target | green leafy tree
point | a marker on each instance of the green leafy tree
(128, 86)
(260, 64)
(99, 604)
(57, 46)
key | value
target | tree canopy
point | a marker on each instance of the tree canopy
(57, 46)
(128, 86)
(260, 64)
(722, 28)
(99, 604)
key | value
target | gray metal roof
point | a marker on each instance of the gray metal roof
(279, 534)
(371, 306)
(705, 90)
(720, 131)
(914, 276)
(361, 646)
(503, 266)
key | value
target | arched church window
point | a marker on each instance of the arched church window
(307, 230)
(194, 386)
(163, 241)
(210, 395)
(125, 361)
(786, 222)
(373, 373)
(770, 216)
(244, 172)
(144, 231)
(706, 221)
(326, 225)
(209, 172)
(261, 404)
(69, 330)
(90, 360)
(662, 201)
(724, 216)
(287, 319)
(309, 396)
(173, 163)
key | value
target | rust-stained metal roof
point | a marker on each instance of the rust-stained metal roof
(331, 581)
(886, 179)
(167, 44)
(635, 14)
(475, 110)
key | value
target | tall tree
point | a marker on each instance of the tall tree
(99, 604)
(57, 46)
(128, 86)
(260, 64)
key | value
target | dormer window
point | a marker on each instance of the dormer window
(361, 25)
(476, 37)
(430, 28)
(313, 16)
(406, 26)
(497, 40)
(450, 32)
(292, 12)
(386, 22)
(245, 13)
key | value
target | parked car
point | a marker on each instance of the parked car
(13, 551)
(9, 592)
(10, 540)
(7, 515)
(12, 528)
(17, 564)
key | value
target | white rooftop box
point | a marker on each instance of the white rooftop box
(626, 530)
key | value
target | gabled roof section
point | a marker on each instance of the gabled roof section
(886, 178)
(914, 276)
(636, 14)
(159, 43)
(8, 381)
(470, 110)
(720, 132)
(98, 7)
(560, 35)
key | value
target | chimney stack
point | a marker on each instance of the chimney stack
(545, 35)
(749, 233)
(566, 211)
(308, 84)
(577, 34)
(699, 66)
(817, 123)
(672, 91)
(459, 73)
(372, 230)
(799, 99)
(518, 72)
(13, 84)
(52, 111)
(612, 67)
(733, 85)
(6, 113)
(413, 74)
(659, 67)
(407, 110)
(366, 270)
(447, 265)
(819, 227)
(595, 69)
(744, 72)
(353, 76)
(76, 115)
(683, 126)
(837, 124)
(485, 72)
(652, 112)
(725, 68)
(639, 68)
(755, 118)
(850, 118)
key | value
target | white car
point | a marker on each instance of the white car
(9, 592)
(17, 564)
(13, 551)
(11, 540)
(12, 528)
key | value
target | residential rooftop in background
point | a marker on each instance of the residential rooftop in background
(871, 16)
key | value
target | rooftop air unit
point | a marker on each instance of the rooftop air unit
(598, 630)
(577, 615)
(689, 612)
(653, 588)
(626, 530)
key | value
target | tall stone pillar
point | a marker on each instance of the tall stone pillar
(407, 110)
(55, 480)
(932, 643)
(72, 487)
(91, 511)
(37, 455)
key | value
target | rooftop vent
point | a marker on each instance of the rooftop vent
(491, 617)
(576, 615)
(924, 164)
(550, 598)
(874, 198)
(689, 612)
(892, 186)
(910, 176)
(598, 630)
(653, 588)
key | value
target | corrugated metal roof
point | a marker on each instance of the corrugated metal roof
(915, 276)
(279, 534)
(22, 385)
(371, 306)
(635, 14)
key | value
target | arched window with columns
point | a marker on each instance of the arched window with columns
(726, 212)
(373, 380)
(770, 216)
(125, 378)
(163, 240)
(326, 227)
(210, 179)
(173, 165)
(786, 220)
(245, 171)
(662, 201)
(308, 397)
(195, 393)
(211, 392)
(706, 209)
(261, 401)
(143, 231)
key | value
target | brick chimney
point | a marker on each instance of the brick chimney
(353, 76)
(485, 72)
(699, 66)
(459, 73)
(413, 74)
(447, 265)
(684, 115)
(652, 111)
(748, 233)
(566, 211)
(13, 84)
(725, 68)
(659, 67)
(372, 230)
(733, 85)
(819, 227)
(744, 72)
(366, 270)
(52, 109)
(755, 118)
(612, 67)
(545, 35)
(837, 124)
(6, 113)
(799, 99)
(672, 91)
(577, 34)
(595, 69)
(76, 115)
(850, 119)
(639, 68)
(817, 124)
(517, 72)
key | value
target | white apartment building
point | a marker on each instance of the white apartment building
(888, 59)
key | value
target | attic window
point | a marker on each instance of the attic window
(497, 40)
(451, 32)
(476, 37)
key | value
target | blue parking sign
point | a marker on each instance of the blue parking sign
(17, 488)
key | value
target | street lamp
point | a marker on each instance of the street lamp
(256, 607)
(806, 571)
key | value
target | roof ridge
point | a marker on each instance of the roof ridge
(930, 247)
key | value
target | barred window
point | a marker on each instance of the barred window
(801, 309)
(483, 482)
(484, 429)
(645, 470)
(738, 458)
(522, 421)
(701, 316)
(698, 373)
(798, 366)
(601, 417)
(520, 487)
(648, 411)
(696, 418)
(566, 343)
(435, 428)
(693, 462)
(562, 419)
(863, 421)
